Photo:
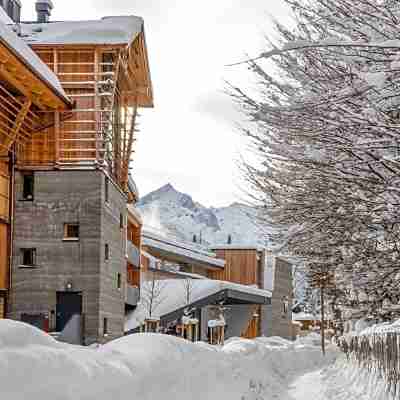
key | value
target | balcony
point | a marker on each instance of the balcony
(132, 295)
(133, 254)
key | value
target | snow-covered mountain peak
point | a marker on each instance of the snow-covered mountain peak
(173, 212)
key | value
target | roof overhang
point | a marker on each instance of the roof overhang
(139, 70)
(229, 297)
(24, 70)
(15, 71)
(164, 250)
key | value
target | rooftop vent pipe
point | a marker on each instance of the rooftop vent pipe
(43, 9)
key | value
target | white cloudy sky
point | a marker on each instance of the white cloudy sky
(189, 139)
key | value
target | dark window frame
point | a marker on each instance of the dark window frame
(29, 257)
(105, 326)
(72, 231)
(106, 252)
(28, 186)
(107, 189)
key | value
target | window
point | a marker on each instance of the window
(28, 257)
(105, 326)
(106, 189)
(106, 252)
(28, 187)
(121, 221)
(119, 281)
(71, 231)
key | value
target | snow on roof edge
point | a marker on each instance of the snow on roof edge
(31, 60)
(109, 30)
(183, 251)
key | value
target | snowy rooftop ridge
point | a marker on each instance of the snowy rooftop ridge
(23, 52)
(113, 30)
(184, 248)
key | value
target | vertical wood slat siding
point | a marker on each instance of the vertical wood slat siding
(253, 328)
(133, 276)
(4, 191)
(241, 267)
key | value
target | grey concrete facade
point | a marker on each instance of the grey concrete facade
(62, 197)
(276, 319)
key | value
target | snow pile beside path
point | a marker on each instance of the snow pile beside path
(342, 381)
(150, 367)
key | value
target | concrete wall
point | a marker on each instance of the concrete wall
(68, 197)
(274, 322)
(112, 299)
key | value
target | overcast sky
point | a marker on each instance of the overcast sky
(189, 139)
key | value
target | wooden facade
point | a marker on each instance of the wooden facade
(107, 85)
(242, 266)
(134, 236)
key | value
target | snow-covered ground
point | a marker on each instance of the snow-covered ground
(151, 367)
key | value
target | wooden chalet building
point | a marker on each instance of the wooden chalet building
(30, 95)
(71, 142)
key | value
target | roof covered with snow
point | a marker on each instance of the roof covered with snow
(114, 30)
(173, 296)
(191, 252)
(24, 53)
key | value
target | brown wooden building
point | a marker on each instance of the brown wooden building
(72, 150)
(30, 95)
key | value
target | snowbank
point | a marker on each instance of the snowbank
(150, 367)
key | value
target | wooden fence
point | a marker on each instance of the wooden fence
(379, 354)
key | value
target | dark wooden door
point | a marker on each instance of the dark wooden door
(68, 305)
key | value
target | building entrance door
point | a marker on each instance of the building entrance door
(69, 304)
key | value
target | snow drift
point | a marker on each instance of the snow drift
(148, 366)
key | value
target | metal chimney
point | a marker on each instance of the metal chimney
(43, 9)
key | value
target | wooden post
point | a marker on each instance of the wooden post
(56, 114)
(322, 319)
(97, 114)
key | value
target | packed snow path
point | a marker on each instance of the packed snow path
(152, 367)
(337, 382)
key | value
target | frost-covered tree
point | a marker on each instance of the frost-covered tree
(152, 293)
(324, 127)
